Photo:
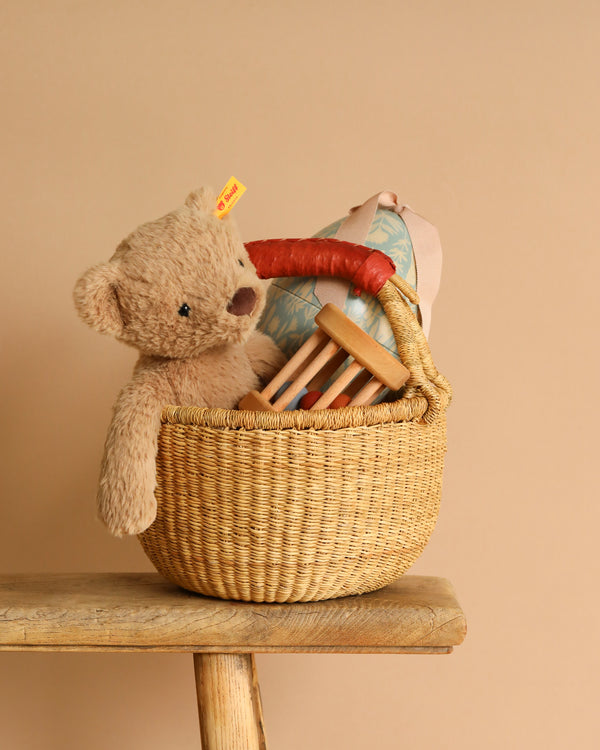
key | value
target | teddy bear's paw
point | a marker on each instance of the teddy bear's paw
(125, 519)
(265, 356)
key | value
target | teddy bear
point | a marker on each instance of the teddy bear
(181, 290)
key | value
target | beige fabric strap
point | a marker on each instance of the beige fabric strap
(426, 245)
(427, 249)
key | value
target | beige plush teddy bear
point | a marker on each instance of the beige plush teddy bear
(182, 291)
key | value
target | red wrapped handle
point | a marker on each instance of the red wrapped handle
(319, 256)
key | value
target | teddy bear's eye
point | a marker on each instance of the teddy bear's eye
(184, 310)
(241, 262)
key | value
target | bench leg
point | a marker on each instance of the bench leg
(229, 704)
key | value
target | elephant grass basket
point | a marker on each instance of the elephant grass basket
(305, 505)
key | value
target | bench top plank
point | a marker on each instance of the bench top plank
(143, 611)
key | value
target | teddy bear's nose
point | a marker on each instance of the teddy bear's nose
(242, 302)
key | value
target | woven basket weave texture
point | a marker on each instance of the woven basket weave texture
(303, 506)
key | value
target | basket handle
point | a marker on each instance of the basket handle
(317, 256)
(374, 272)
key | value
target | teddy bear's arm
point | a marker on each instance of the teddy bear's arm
(265, 357)
(126, 501)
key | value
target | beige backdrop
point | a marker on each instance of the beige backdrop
(485, 118)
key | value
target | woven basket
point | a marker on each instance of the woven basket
(303, 505)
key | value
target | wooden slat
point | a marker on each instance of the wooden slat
(255, 401)
(143, 612)
(377, 360)
(242, 649)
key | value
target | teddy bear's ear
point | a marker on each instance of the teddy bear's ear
(96, 300)
(203, 199)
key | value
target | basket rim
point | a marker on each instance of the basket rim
(425, 396)
(403, 410)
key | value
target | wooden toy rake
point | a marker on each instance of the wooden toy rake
(371, 370)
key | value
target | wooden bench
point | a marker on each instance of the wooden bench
(143, 612)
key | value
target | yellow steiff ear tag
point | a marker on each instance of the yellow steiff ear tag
(229, 196)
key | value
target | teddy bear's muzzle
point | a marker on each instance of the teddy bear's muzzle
(243, 301)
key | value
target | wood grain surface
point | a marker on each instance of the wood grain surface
(229, 705)
(142, 611)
